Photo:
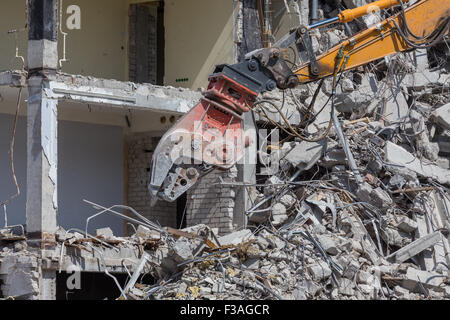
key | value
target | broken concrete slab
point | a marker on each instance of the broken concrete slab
(399, 156)
(442, 116)
(375, 196)
(415, 247)
(346, 287)
(91, 90)
(319, 271)
(236, 238)
(414, 278)
(13, 78)
(305, 154)
(105, 233)
(182, 251)
(328, 244)
(407, 225)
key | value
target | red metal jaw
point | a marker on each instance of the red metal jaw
(210, 134)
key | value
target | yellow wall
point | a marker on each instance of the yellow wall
(12, 16)
(100, 48)
(199, 35)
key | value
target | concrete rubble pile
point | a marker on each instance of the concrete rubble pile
(318, 229)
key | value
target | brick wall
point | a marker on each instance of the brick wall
(212, 204)
(140, 151)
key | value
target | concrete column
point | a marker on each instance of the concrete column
(42, 201)
(246, 174)
(42, 156)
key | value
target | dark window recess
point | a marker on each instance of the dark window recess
(93, 286)
(181, 211)
(145, 64)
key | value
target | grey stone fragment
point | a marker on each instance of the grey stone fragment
(396, 237)
(428, 279)
(346, 287)
(442, 116)
(351, 269)
(279, 215)
(305, 154)
(397, 155)
(319, 271)
(401, 292)
(182, 251)
(236, 238)
(143, 232)
(363, 277)
(182, 288)
(381, 199)
(287, 200)
(328, 244)
(395, 103)
(377, 197)
(262, 242)
(252, 264)
(406, 224)
(299, 293)
(414, 248)
(364, 191)
(105, 233)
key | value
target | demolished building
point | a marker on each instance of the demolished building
(314, 226)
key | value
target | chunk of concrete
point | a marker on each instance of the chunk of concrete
(443, 144)
(143, 232)
(395, 237)
(415, 247)
(236, 238)
(381, 199)
(105, 233)
(287, 200)
(299, 293)
(333, 157)
(364, 277)
(262, 242)
(364, 191)
(182, 251)
(328, 244)
(305, 154)
(442, 116)
(279, 215)
(346, 287)
(319, 271)
(377, 197)
(428, 279)
(351, 269)
(406, 224)
(395, 104)
(399, 156)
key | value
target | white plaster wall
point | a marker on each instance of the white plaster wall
(90, 167)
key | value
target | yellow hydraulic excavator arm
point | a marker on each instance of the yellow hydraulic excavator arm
(418, 26)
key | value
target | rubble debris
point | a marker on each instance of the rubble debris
(105, 233)
(415, 247)
(399, 156)
(442, 116)
(305, 154)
